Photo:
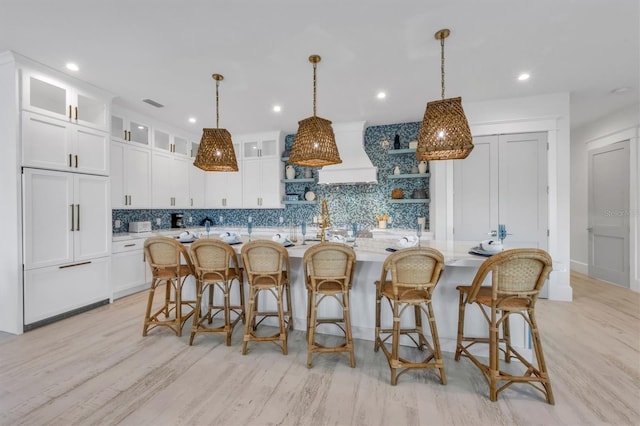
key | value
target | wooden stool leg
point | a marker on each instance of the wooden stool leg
(461, 311)
(250, 324)
(376, 344)
(311, 329)
(242, 304)
(178, 291)
(283, 325)
(417, 313)
(196, 315)
(437, 353)
(227, 312)
(506, 335)
(147, 315)
(494, 369)
(347, 323)
(542, 365)
(395, 343)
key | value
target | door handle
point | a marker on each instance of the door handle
(76, 161)
(76, 113)
(73, 217)
(69, 112)
(70, 162)
(78, 217)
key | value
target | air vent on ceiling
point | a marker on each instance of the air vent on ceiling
(153, 103)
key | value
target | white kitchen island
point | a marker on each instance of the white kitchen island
(460, 268)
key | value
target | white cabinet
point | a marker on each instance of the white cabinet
(504, 180)
(130, 176)
(58, 145)
(262, 170)
(67, 218)
(175, 144)
(223, 190)
(169, 180)
(67, 242)
(196, 187)
(58, 99)
(125, 129)
(56, 290)
(129, 271)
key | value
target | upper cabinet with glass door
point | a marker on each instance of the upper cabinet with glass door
(127, 129)
(259, 147)
(56, 98)
(175, 144)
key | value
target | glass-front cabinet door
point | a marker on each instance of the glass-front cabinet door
(129, 130)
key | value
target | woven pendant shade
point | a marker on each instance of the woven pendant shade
(444, 133)
(315, 143)
(216, 153)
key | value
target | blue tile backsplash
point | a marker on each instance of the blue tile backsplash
(347, 203)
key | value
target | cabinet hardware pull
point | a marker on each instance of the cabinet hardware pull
(130, 245)
(125, 135)
(73, 217)
(76, 113)
(126, 200)
(69, 112)
(75, 264)
(192, 202)
(78, 218)
(76, 161)
(70, 163)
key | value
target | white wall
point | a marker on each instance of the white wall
(619, 126)
(10, 213)
(545, 113)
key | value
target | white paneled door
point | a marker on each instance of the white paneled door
(503, 181)
(609, 213)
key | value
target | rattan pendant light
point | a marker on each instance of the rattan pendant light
(315, 143)
(444, 133)
(216, 153)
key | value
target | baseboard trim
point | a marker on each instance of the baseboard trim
(55, 318)
(581, 267)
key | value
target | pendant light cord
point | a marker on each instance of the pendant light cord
(314, 88)
(217, 101)
(442, 64)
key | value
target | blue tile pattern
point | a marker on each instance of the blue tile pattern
(347, 203)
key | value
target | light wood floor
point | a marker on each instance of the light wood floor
(97, 369)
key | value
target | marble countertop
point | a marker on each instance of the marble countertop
(456, 253)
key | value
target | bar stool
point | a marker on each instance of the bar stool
(517, 276)
(266, 264)
(216, 267)
(165, 257)
(328, 271)
(414, 275)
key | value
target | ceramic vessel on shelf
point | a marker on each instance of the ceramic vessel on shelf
(290, 172)
(396, 170)
(382, 224)
(309, 196)
(415, 170)
(419, 193)
(308, 173)
(422, 167)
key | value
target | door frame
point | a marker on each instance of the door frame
(633, 136)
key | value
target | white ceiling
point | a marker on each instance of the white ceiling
(167, 50)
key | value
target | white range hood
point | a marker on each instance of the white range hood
(356, 167)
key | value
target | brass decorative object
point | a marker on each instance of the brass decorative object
(324, 222)
(444, 133)
(216, 153)
(315, 143)
(397, 194)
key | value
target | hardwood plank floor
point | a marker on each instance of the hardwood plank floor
(97, 369)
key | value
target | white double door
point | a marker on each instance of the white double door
(503, 181)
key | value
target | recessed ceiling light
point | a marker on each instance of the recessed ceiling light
(192, 120)
(523, 77)
(72, 67)
(277, 108)
(381, 95)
